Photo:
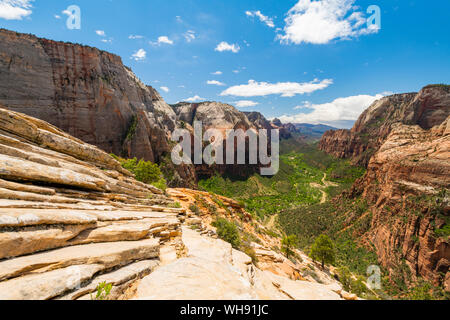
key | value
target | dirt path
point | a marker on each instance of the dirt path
(325, 185)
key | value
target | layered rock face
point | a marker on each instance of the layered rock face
(89, 94)
(408, 184)
(222, 117)
(71, 217)
(427, 108)
(404, 142)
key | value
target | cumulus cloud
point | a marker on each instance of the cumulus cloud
(194, 99)
(319, 22)
(215, 83)
(341, 110)
(15, 9)
(285, 89)
(165, 89)
(217, 73)
(225, 46)
(164, 39)
(189, 36)
(100, 33)
(245, 103)
(268, 21)
(139, 55)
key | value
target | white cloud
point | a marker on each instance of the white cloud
(225, 46)
(246, 103)
(106, 40)
(165, 89)
(215, 83)
(164, 39)
(57, 16)
(236, 71)
(320, 22)
(285, 89)
(268, 21)
(135, 36)
(217, 73)
(189, 36)
(337, 111)
(194, 99)
(100, 33)
(139, 55)
(15, 9)
(179, 20)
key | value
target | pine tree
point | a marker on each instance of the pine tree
(323, 250)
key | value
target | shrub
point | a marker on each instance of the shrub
(194, 209)
(103, 291)
(421, 292)
(228, 232)
(144, 171)
(288, 244)
(248, 250)
(175, 205)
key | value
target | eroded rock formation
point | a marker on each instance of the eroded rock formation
(404, 142)
(427, 108)
(89, 94)
(70, 215)
(407, 184)
(221, 117)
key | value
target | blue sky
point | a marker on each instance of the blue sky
(301, 60)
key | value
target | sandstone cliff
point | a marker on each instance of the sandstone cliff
(223, 117)
(404, 142)
(427, 108)
(89, 94)
(407, 186)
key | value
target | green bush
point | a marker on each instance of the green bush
(288, 244)
(228, 232)
(144, 171)
(194, 209)
(175, 205)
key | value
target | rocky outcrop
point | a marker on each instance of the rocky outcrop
(258, 120)
(404, 142)
(222, 117)
(212, 261)
(427, 108)
(89, 94)
(71, 216)
(407, 185)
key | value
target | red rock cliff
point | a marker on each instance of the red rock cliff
(404, 140)
(407, 185)
(427, 108)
